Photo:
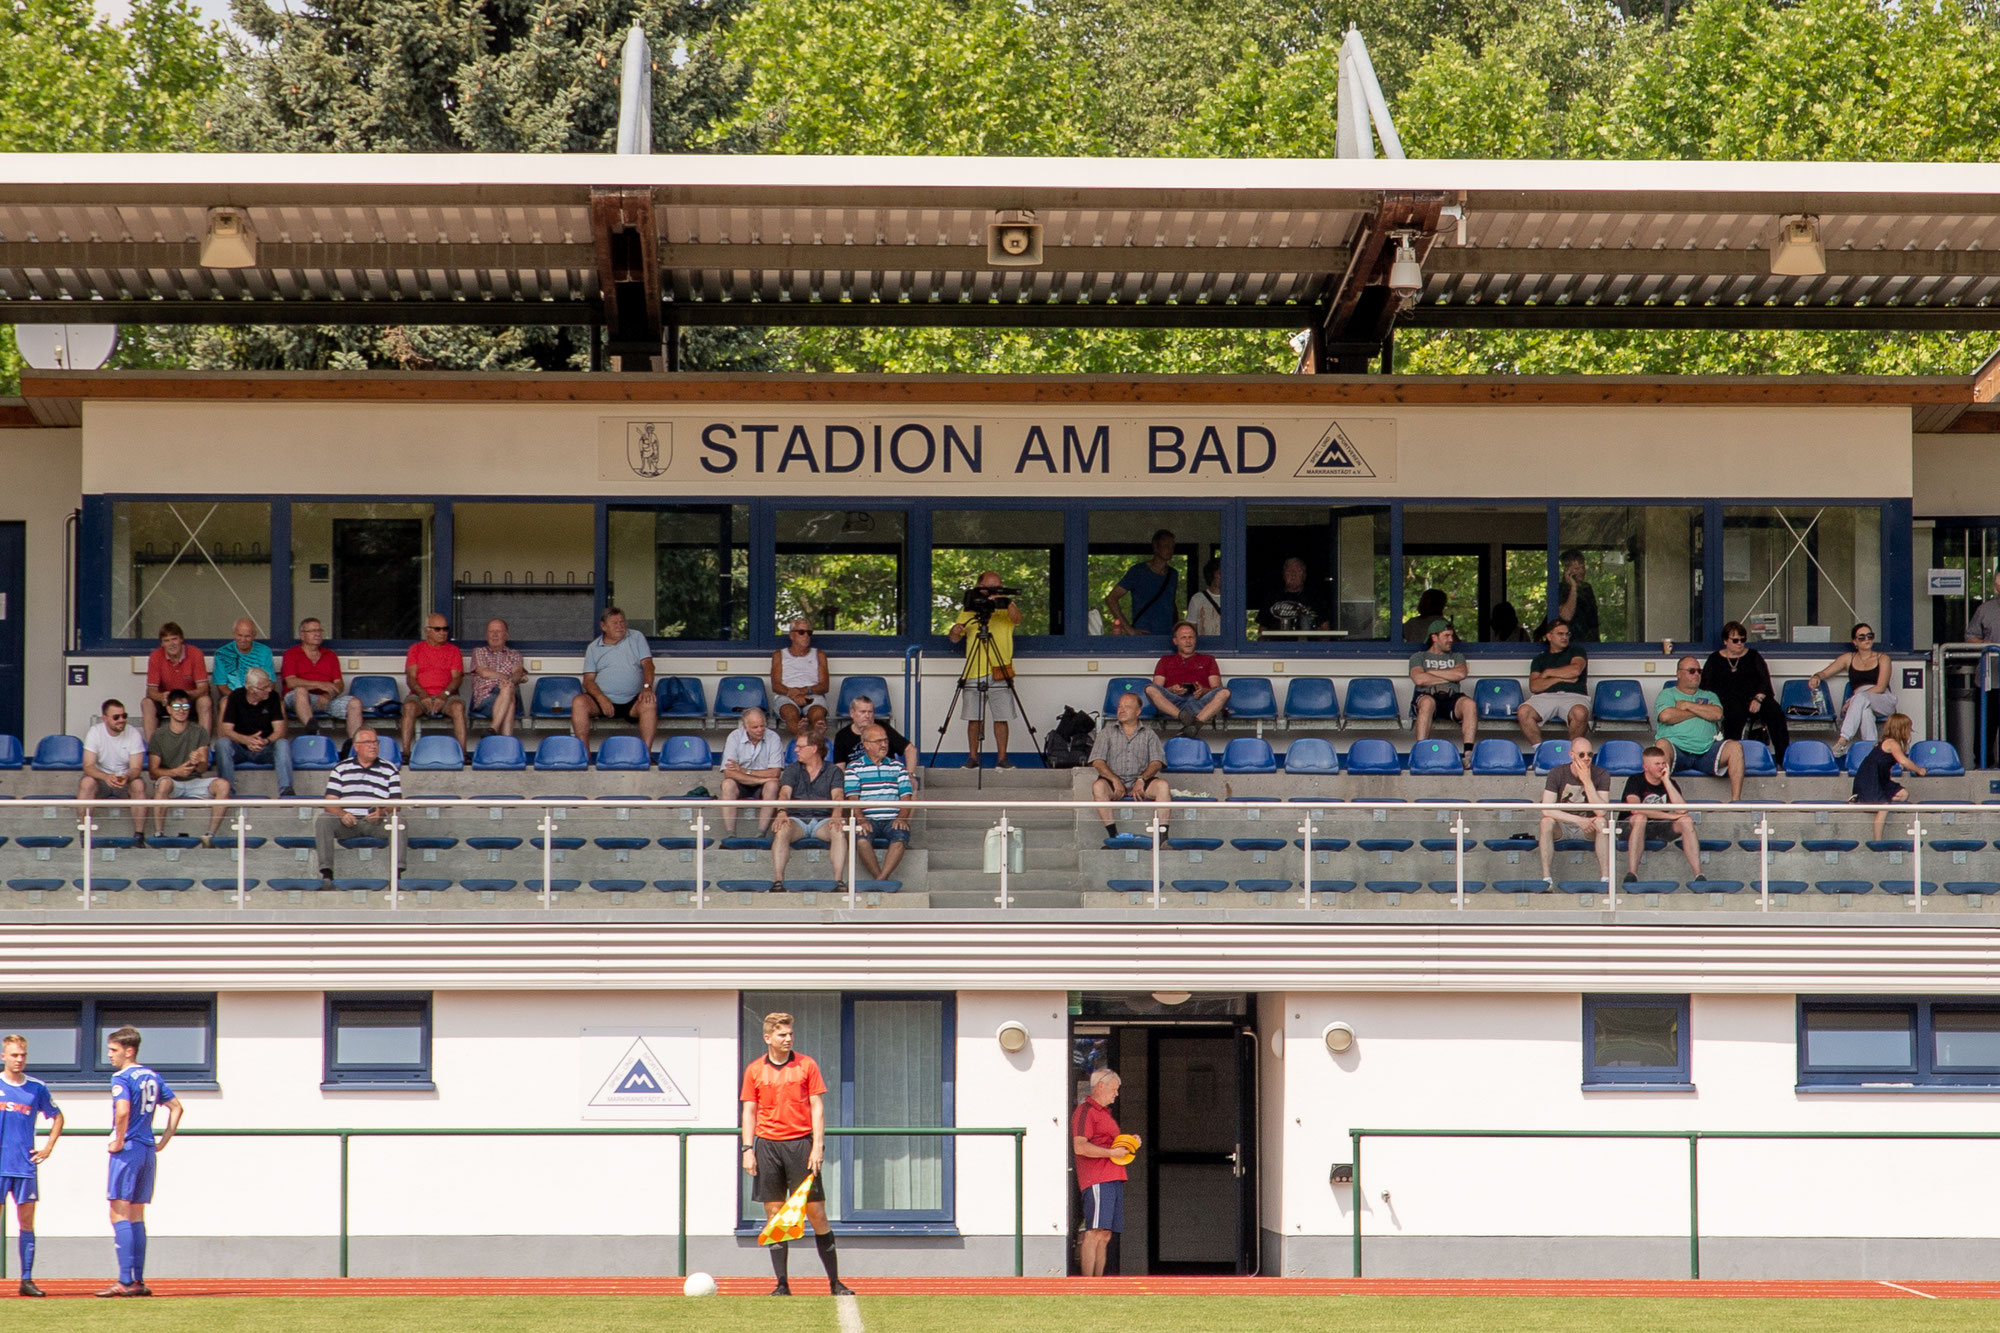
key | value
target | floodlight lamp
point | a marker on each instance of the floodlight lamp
(1406, 275)
(1799, 252)
(230, 241)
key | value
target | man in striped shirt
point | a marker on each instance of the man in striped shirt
(355, 792)
(882, 788)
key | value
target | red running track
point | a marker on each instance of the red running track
(1108, 1286)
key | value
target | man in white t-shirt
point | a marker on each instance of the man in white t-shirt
(114, 764)
(753, 759)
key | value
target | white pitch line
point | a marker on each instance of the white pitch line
(1897, 1285)
(849, 1311)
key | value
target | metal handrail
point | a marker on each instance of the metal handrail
(1692, 1136)
(680, 1132)
(1939, 703)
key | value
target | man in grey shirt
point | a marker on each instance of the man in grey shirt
(807, 778)
(617, 680)
(1984, 627)
(1128, 758)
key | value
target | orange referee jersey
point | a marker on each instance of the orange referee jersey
(782, 1094)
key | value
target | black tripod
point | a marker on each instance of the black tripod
(982, 659)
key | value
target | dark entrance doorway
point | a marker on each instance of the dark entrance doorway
(378, 578)
(13, 625)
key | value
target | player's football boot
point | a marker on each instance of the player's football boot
(841, 1288)
(141, 1289)
(783, 1288)
(28, 1288)
(119, 1289)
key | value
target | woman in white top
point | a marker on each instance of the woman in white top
(799, 683)
(1204, 610)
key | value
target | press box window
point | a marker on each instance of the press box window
(1635, 1041)
(202, 564)
(67, 1036)
(378, 1041)
(1896, 1044)
(681, 572)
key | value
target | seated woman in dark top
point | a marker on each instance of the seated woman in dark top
(1737, 674)
(1873, 784)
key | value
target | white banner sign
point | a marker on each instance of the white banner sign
(641, 1073)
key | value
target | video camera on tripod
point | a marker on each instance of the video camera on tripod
(983, 602)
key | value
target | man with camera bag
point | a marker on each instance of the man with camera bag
(989, 617)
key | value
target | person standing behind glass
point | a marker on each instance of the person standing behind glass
(1204, 609)
(1738, 675)
(1579, 600)
(1984, 627)
(1152, 585)
(1869, 695)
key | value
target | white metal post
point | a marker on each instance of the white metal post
(700, 827)
(1156, 828)
(1764, 861)
(395, 855)
(1916, 863)
(548, 858)
(1005, 848)
(242, 857)
(1458, 831)
(87, 826)
(1306, 882)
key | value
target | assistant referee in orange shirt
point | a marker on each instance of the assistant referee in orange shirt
(784, 1141)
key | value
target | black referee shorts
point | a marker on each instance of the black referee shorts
(781, 1165)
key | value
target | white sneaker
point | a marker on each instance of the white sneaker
(1840, 746)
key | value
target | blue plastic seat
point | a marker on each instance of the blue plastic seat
(1185, 754)
(1858, 752)
(498, 754)
(1201, 885)
(1372, 754)
(1372, 699)
(686, 754)
(434, 754)
(314, 754)
(1498, 758)
(1498, 700)
(1938, 758)
(1808, 758)
(1195, 844)
(1757, 760)
(618, 885)
(378, 696)
(681, 697)
(1258, 844)
(564, 754)
(1264, 885)
(553, 696)
(1248, 754)
(1800, 694)
(733, 694)
(1551, 755)
(1619, 758)
(1118, 685)
(10, 752)
(1310, 754)
(1620, 701)
(1433, 759)
(620, 753)
(1311, 698)
(60, 754)
(1251, 698)
(859, 687)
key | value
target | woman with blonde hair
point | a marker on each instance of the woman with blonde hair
(1873, 784)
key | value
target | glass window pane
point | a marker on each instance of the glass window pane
(815, 1032)
(1631, 574)
(528, 564)
(1317, 574)
(681, 573)
(1023, 546)
(172, 1038)
(1462, 562)
(52, 1036)
(898, 1080)
(199, 563)
(363, 569)
(1966, 1039)
(1802, 573)
(1636, 1036)
(842, 569)
(1121, 558)
(1860, 1039)
(377, 1038)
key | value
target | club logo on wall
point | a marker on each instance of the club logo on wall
(649, 447)
(1335, 456)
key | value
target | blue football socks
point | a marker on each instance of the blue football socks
(139, 1252)
(121, 1237)
(26, 1249)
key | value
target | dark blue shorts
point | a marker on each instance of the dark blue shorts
(1700, 765)
(886, 828)
(1104, 1206)
(131, 1174)
(23, 1189)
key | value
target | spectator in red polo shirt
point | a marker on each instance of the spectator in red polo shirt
(1094, 1140)
(176, 665)
(1187, 685)
(432, 672)
(314, 684)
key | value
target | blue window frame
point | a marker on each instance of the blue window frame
(1636, 1042)
(1897, 1042)
(378, 1041)
(66, 1035)
(889, 1060)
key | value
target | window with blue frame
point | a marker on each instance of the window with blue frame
(1895, 1043)
(199, 563)
(1636, 1041)
(67, 1035)
(887, 1061)
(378, 1040)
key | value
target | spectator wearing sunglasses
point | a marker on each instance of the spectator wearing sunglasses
(799, 682)
(1868, 692)
(1738, 675)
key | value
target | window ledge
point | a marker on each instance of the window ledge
(99, 1082)
(873, 1228)
(1638, 1087)
(366, 1085)
(1895, 1089)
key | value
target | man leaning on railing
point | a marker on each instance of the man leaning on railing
(357, 794)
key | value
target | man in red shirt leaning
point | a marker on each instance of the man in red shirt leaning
(1094, 1136)
(784, 1141)
(1187, 685)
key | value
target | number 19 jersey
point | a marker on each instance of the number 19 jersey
(144, 1090)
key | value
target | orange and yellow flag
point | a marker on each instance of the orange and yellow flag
(789, 1222)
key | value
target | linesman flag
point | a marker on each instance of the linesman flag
(789, 1222)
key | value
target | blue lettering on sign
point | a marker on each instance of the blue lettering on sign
(853, 464)
(896, 448)
(759, 432)
(916, 449)
(972, 456)
(1100, 449)
(725, 453)
(1035, 449)
(1164, 441)
(797, 446)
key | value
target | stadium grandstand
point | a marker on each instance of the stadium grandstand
(1329, 924)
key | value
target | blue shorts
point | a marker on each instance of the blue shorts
(24, 1189)
(1104, 1206)
(885, 828)
(132, 1174)
(1700, 765)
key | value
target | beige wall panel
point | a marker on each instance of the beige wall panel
(1956, 475)
(43, 470)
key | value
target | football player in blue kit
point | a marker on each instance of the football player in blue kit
(24, 1102)
(136, 1092)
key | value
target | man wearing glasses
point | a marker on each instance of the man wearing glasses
(178, 765)
(114, 764)
(799, 682)
(357, 794)
(432, 671)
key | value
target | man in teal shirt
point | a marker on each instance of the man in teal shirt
(1689, 727)
(230, 663)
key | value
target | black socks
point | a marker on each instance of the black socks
(781, 1260)
(824, 1239)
